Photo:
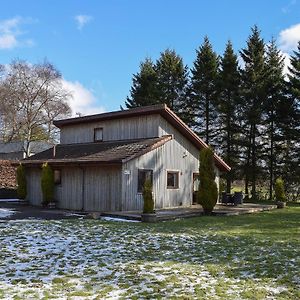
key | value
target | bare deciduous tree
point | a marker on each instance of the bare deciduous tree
(31, 97)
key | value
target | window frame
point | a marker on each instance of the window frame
(176, 186)
(95, 130)
(140, 189)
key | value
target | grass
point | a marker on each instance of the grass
(242, 257)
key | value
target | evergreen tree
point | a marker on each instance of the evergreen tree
(208, 191)
(229, 84)
(47, 183)
(275, 89)
(279, 190)
(172, 79)
(21, 181)
(254, 97)
(148, 197)
(144, 86)
(203, 92)
(290, 116)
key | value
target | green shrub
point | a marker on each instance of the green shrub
(148, 198)
(47, 183)
(279, 190)
(208, 190)
(21, 181)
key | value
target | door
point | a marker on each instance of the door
(196, 182)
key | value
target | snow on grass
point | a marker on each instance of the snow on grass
(92, 259)
(11, 200)
(5, 212)
(118, 219)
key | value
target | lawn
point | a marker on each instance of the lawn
(242, 257)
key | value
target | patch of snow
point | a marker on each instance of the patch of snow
(5, 213)
(73, 215)
(118, 219)
(11, 200)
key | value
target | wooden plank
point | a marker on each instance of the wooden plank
(34, 189)
(131, 128)
(179, 155)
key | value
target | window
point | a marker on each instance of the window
(98, 134)
(172, 180)
(57, 177)
(143, 175)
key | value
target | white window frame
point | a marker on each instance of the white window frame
(176, 172)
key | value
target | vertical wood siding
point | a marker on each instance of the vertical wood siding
(102, 189)
(178, 154)
(90, 188)
(70, 191)
(34, 190)
(131, 128)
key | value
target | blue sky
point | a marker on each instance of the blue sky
(98, 45)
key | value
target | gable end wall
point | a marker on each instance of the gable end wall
(178, 154)
(113, 130)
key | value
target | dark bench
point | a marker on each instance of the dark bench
(233, 199)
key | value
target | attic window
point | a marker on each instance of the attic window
(98, 134)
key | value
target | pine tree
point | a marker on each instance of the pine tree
(203, 92)
(275, 89)
(208, 191)
(144, 86)
(172, 79)
(254, 97)
(228, 108)
(290, 115)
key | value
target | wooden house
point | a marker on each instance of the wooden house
(103, 160)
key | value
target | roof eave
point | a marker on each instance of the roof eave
(61, 162)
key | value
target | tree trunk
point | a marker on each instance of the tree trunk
(247, 170)
(271, 159)
(253, 165)
(207, 120)
(228, 156)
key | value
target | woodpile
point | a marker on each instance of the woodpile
(7, 174)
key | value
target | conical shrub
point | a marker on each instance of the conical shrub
(208, 190)
(148, 197)
(21, 181)
(279, 190)
(47, 183)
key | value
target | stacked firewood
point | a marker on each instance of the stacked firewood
(7, 174)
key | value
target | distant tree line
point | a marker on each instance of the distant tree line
(249, 114)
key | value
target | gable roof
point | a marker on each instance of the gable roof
(112, 152)
(161, 109)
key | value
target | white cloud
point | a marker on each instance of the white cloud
(83, 101)
(289, 38)
(82, 20)
(8, 41)
(10, 33)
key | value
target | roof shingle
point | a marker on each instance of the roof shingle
(101, 152)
